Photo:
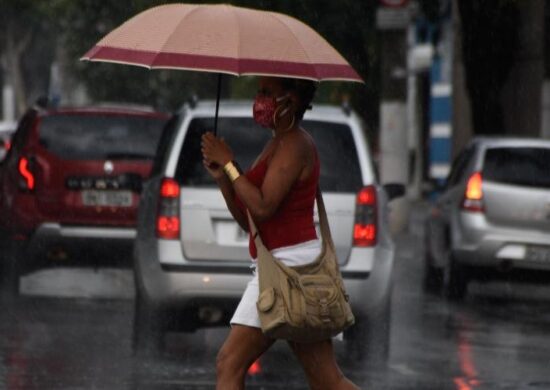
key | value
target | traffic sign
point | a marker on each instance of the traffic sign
(393, 18)
(394, 3)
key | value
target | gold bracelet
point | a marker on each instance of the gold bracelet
(231, 171)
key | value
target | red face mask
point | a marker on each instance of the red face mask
(264, 110)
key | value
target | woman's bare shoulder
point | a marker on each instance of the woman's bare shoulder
(297, 141)
(297, 149)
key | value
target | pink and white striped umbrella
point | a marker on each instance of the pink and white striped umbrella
(223, 39)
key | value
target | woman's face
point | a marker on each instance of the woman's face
(271, 102)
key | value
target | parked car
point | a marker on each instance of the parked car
(7, 129)
(492, 219)
(191, 257)
(70, 186)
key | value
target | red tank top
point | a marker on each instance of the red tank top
(292, 223)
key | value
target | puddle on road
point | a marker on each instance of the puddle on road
(80, 283)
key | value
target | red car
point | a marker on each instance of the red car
(70, 187)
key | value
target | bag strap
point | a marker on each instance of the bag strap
(323, 219)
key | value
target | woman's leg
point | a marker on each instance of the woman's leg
(242, 347)
(320, 366)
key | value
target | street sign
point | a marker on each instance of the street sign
(394, 3)
(392, 18)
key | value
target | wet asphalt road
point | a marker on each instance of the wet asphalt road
(498, 338)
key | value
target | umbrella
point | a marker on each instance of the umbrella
(224, 39)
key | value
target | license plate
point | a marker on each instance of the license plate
(107, 198)
(229, 233)
(539, 254)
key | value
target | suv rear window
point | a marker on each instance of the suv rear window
(339, 162)
(99, 137)
(522, 166)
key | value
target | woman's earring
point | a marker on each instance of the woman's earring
(291, 122)
(277, 114)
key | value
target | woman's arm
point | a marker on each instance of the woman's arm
(228, 193)
(290, 157)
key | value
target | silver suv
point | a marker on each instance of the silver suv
(191, 257)
(492, 219)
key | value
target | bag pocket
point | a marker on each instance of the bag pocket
(323, 306)
(318, 288)
(266, 300)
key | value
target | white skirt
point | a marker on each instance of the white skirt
(300, 254)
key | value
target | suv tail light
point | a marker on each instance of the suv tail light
(473, 197)
(26, 181)
(365, 227)
(168, 220)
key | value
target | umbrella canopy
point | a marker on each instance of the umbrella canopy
(224, 39)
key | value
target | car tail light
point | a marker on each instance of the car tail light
(7, 145)
(365, 227)
(26, 181)
(255, 368)
(473, 196)
(168, 220)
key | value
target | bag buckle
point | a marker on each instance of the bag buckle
(324, 310)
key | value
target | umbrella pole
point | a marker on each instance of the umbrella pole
(217, 104)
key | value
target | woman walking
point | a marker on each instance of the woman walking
(279, 192)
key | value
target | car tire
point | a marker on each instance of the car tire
(9, 271)
(368, 340)
(455, 280)
(432, 281)
(148, 328)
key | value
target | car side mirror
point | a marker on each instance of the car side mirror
(394, 190)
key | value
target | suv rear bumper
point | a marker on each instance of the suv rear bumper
(483, 245)
(181, 285)
(55, 245)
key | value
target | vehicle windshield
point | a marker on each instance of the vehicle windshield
(98, 137)
(522, 166)
(340, 169)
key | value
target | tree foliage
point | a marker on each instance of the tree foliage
(23, 25)
(87, 21)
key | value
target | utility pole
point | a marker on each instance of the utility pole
(392, 20)
(462, 118)
(522, 91)
(545, 116)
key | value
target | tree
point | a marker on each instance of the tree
(21, 22)
(489, 41)
(86, 22)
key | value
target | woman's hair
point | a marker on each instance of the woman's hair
(305, 89)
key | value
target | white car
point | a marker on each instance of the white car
(492, 219)
(191, 258)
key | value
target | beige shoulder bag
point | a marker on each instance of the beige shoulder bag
(306, 303)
